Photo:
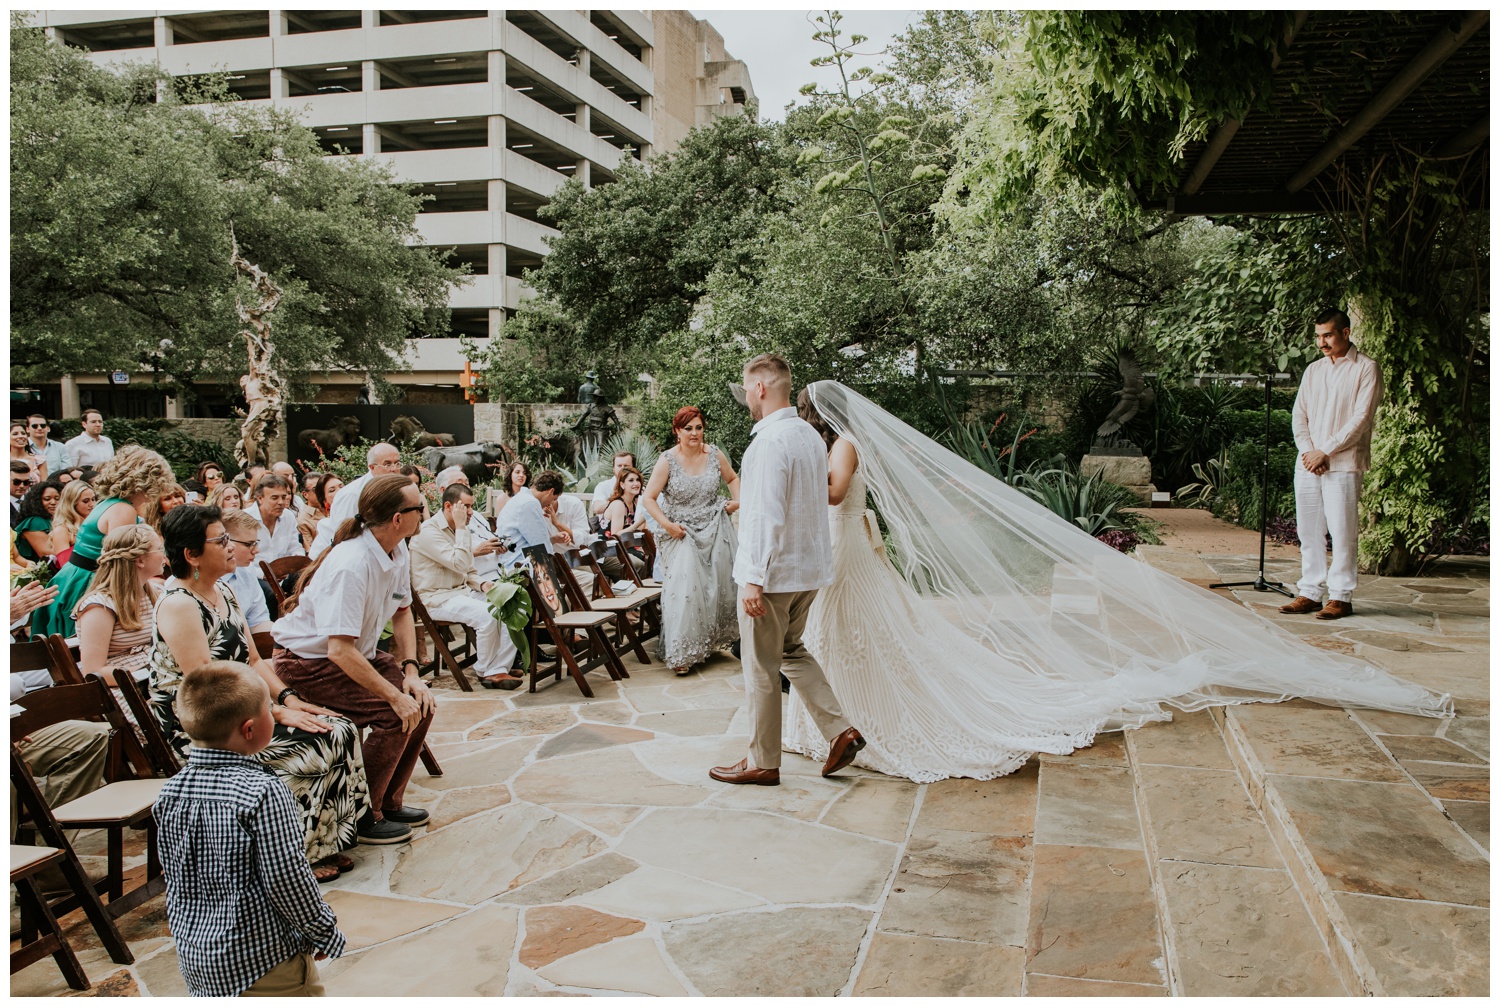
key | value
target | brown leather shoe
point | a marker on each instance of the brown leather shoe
(1335, 610)
(842, 750)
(1300, 605)
(742, 772)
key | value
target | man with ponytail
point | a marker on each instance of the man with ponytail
(331, 628)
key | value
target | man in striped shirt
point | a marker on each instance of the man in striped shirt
(241, 900)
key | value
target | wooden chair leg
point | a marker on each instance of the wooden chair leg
(429, 761)
(34, 908)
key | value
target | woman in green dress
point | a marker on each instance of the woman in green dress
(34, 520)
(124, 484)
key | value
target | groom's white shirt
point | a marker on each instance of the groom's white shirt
(783, 536)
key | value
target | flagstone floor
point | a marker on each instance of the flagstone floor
(580, 848)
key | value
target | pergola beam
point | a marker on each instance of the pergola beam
(1470, 137)
(1442, 45)
(1219, 142)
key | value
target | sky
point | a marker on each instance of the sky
(777, 46)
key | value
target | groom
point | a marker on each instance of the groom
(784, 558)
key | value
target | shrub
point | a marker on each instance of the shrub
(1238, 498)
(183, 452)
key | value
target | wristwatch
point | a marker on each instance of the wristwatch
(284, 693)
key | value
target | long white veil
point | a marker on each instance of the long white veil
(1099, 630)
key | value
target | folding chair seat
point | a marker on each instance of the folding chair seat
(40, 933)
(561, 628)
(442, 655)
(114, 808)
(620, 607)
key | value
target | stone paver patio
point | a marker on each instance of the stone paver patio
(579, 847)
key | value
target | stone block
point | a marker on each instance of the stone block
(1093, 916)
(900, 965)
(1126, 470)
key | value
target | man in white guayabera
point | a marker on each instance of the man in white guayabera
(1331, 422)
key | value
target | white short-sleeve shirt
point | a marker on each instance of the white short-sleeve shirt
(354, 593)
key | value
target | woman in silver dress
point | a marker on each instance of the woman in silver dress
(697, 552)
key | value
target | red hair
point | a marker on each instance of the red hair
(686, 415)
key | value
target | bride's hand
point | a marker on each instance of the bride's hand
(731, 506)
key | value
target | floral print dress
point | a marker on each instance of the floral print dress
(324, 772)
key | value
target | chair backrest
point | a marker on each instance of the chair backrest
(265, 644)
(64, 666)
(288, 564)
(88, 700)
(33, 655)
(158, 749)
(563, 562)
(274, 581)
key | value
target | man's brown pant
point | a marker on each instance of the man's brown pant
(770, 647)
(390, 754)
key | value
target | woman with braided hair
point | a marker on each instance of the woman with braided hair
(124, 484)
(116, 616)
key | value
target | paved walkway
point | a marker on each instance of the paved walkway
(580, 847)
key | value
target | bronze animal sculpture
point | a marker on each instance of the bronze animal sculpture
(1133, 395)
(345, 430)
(406, 429)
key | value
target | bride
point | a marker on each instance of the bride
(1007, 631)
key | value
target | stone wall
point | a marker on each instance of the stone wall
(505, 421)
(220, 431)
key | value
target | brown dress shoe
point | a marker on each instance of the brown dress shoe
(842, 750)
(1300, 605)
(742, 772)
(1335, 610)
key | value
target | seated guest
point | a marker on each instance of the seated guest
(442, 571)
(33, 520)
(270, 506)
(91, 448)
(605, 491)
(115, 617)
(622, 516)
(249, 590)
(570, 514)
(415, 475)
(198, 620)
(127, 481)
(487, 547)
(209, 477)
(241, 903)
(517, 476)
(331, 628)
(75, 504)
(227, 497)
(157, 507)
(325, 486)
(524, 521)
(381, 459)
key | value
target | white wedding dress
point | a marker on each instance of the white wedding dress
(1013, 632)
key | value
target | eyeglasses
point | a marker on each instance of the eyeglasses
(222, 540)
(253, 546)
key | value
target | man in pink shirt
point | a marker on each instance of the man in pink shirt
(1332, 420)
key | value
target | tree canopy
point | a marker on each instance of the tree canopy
(125, 187)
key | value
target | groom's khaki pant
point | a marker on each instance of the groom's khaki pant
(770, 647)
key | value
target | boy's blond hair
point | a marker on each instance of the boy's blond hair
(214, 699)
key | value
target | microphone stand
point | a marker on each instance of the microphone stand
(1260, 583)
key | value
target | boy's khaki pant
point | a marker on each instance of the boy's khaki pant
(295, 977)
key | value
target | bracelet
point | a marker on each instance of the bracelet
(414, 663)
(284, 693)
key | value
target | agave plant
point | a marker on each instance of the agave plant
(1082, 501)
(1210, 477)
(597, 464)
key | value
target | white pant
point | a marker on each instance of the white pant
(496, 651)
(1328, 504)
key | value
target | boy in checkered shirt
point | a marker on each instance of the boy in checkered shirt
(241, 900)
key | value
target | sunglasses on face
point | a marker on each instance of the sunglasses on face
(408, 510)
(37, 426)
(20, 482)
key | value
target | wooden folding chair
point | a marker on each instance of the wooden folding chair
(619, 607)
(281, 568)
(33, 655)
(442, 656)
(648, 546)
(40, 933)
(561, 627)
(114, 808)
(158, 747)
(275, 582)
(649, 593)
